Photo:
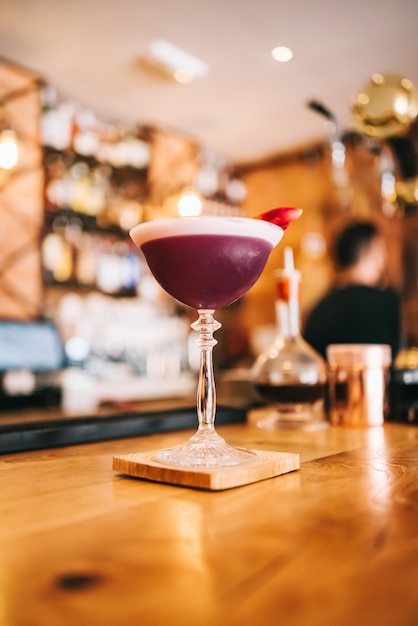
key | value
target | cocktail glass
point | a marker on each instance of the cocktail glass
(206, 263)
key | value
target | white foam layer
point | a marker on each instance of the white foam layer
(242, 226)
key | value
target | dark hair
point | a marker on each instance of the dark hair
(353, 241)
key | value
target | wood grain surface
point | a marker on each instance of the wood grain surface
(333, 544)
(267, 464)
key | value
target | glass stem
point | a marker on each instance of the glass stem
(206, 325)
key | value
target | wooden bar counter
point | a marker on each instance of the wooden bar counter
(332, 544)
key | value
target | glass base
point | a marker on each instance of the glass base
(205, 450)
(306, 418)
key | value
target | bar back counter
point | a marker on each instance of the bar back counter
(334, 543)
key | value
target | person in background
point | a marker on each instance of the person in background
(357, 308)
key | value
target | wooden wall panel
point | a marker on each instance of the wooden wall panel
(173, 167)
(21, 199)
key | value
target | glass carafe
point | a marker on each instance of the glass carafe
(290, 377)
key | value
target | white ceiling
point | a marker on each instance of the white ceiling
(248, 107)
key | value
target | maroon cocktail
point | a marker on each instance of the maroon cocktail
(209, 271)
(206, 263)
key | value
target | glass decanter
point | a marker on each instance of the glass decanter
(290, 376)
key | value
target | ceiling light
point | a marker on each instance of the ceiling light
(283, 54)
(170, 60)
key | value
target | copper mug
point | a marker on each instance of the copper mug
(359, 377)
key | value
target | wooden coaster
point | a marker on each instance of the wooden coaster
(267, 465)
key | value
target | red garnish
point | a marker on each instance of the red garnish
(281, 216)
